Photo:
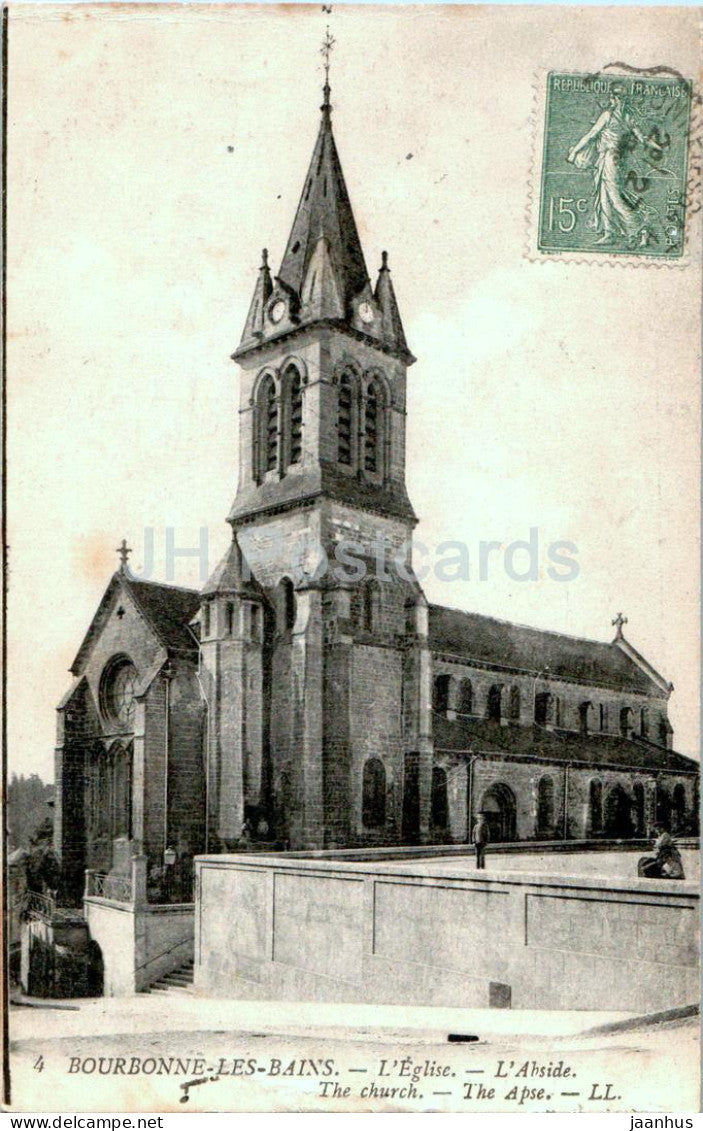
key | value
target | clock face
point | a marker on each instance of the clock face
(365, 312)
(277, 311)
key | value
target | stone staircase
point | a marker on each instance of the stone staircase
(179, 981)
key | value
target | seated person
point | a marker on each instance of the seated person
(667, 864)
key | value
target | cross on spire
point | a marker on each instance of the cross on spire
(124, 551)
(326, 51)
(619, 621)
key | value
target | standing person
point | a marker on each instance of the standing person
(480, 838)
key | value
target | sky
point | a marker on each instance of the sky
(154, 152)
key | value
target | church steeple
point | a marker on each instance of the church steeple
(324, 360)
(325, 212)
(323, 276)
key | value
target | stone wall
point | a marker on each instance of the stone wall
(332, 930)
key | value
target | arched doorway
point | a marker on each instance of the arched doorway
(618, 813)
(498, 804)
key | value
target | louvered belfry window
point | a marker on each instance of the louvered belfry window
(271, 411)
(344, 421)
(296, 415)
(371, 423)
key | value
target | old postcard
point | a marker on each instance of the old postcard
(352, 389)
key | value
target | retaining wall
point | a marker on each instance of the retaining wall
(340, 930)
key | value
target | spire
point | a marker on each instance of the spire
(391, 325)
(233, 575)
(325, 211)
(323, 274)
(254, 326)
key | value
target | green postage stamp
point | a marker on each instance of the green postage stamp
(614, 165)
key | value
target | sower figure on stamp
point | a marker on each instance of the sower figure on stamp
(480, 837)
(617, 210)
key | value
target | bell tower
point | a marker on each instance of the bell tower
(323, 359)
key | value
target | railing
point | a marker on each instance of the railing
(41, 906)
(117, 888)
(36, 905)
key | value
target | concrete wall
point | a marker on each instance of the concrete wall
(333, 930)
(138, 944)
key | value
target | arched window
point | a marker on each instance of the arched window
(558, 713)
(345, 415)
(625, 722)
(494, 708)
(584, 717)
(122, 792)
(372, 429)
(374, 794)
(595, 800)
(370, 605)
(543, 703)
(265, 438)
(545, 807)
(286, 605)
(678, 808)
(294, 414)
(639, 808)
(603, 717)
(644, 722)
(101, 813)
(662, 807)
(440, 696)
(514, 703)
(664, 731)
(440, 801)
(466, 698)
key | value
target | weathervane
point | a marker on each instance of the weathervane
(326, 51)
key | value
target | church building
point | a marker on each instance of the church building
(322, 701)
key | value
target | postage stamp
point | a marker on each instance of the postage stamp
(614, 165)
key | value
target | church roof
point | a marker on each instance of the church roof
(486, 640)
(167, 609)
(465, 735)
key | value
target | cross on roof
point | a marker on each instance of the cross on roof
(124, 551)
(619, 621)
